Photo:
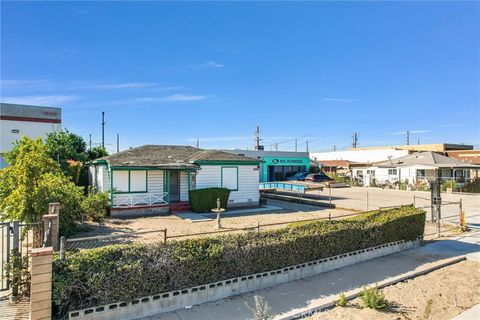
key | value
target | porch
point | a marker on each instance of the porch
(147, 191)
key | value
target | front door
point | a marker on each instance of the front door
(174, 186)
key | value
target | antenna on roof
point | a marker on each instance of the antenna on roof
(256, 138)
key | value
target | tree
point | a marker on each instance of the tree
(32, 181)
(64, 146)
(97, 152)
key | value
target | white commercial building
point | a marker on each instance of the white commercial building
(21, 120)
(360, 155)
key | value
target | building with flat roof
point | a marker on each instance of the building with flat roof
(277, 165)
(22, 120)
(435, 147)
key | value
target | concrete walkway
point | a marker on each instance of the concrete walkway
(470, 314)
(301, 296)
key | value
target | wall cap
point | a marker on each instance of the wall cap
(41, 251)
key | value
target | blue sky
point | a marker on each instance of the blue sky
(169, 73)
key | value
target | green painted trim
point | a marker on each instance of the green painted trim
(100, 162)
(129, 182)
(221, 176)
(148, 168)
(226, 163)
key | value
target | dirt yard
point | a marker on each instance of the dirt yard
(147, 229)
(441, 294)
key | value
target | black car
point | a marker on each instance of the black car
(299, 176)
(318, 177)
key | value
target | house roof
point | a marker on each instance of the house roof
(427, 159)
(171, 157)
(335, 163)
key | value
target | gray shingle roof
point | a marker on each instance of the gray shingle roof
(170, 157)
(426, 158)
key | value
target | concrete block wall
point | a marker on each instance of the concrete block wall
(41, 284)
(174, 300)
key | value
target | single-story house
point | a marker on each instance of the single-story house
(415, 168)
(337, 167)
(154, 179)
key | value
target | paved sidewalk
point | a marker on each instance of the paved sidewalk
(301, 295)
(470, 314)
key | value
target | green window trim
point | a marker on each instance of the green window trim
(221, 176)
(129, 182)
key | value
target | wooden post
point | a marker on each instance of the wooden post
(51, 220)
(165, 236)
(41, 284)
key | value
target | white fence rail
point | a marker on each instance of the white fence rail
(132, 200)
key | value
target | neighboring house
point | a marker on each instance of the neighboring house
(467, 156)
(415, 168)
(360, 155)
(153, 179)
(21, 120)
(337, 167)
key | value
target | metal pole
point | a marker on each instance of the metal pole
(414, 201)
(330, 196)
(118, 143)
(63, 247)
(295, 145)
(16, 238)
(367, 200)
(103, 129)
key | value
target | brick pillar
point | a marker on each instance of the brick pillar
(41, 284)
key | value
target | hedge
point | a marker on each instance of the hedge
(116, 273)
(203, 200)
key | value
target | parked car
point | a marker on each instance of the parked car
(319, 177)
(299, 176)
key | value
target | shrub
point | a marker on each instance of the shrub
(203, 200)
(96, 206)
(473, 186)
(342, 301)
(374, 299)
(448, 184)
(124, 272)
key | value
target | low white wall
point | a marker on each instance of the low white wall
(174, 300)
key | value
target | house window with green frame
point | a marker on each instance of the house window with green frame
(129, 181)
(230, 178)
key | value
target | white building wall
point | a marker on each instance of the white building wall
(155, 181)
(248, 181)
(362, 156)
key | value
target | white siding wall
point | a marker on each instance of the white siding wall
(154, 190)
(102, 179)
(248, 180)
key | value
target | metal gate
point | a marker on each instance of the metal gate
(17, 239)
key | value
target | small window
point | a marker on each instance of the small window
(421, 173)
(230, 178)
(120, 181)
(138, 181)
(392, 171)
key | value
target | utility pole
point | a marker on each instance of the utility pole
(90, 141)
(408, 138)
(295, 144)
(418, 140)
(256, 138)
(103, 129)
(118, 143)
(355, 140)
(198, 143)
(334, 148)
(307, 146)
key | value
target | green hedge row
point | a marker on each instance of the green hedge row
(203, 200)
(123, 272)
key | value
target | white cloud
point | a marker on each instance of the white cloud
(42, 100)
(186, 97)
(339, 100)
(207, 65)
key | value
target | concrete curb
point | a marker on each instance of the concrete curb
(356, 292)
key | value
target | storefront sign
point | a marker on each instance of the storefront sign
(271, 161)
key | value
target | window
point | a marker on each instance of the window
(421, 173)
(392, 171)
(129, 180)
(138, 181)
(230, 178)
